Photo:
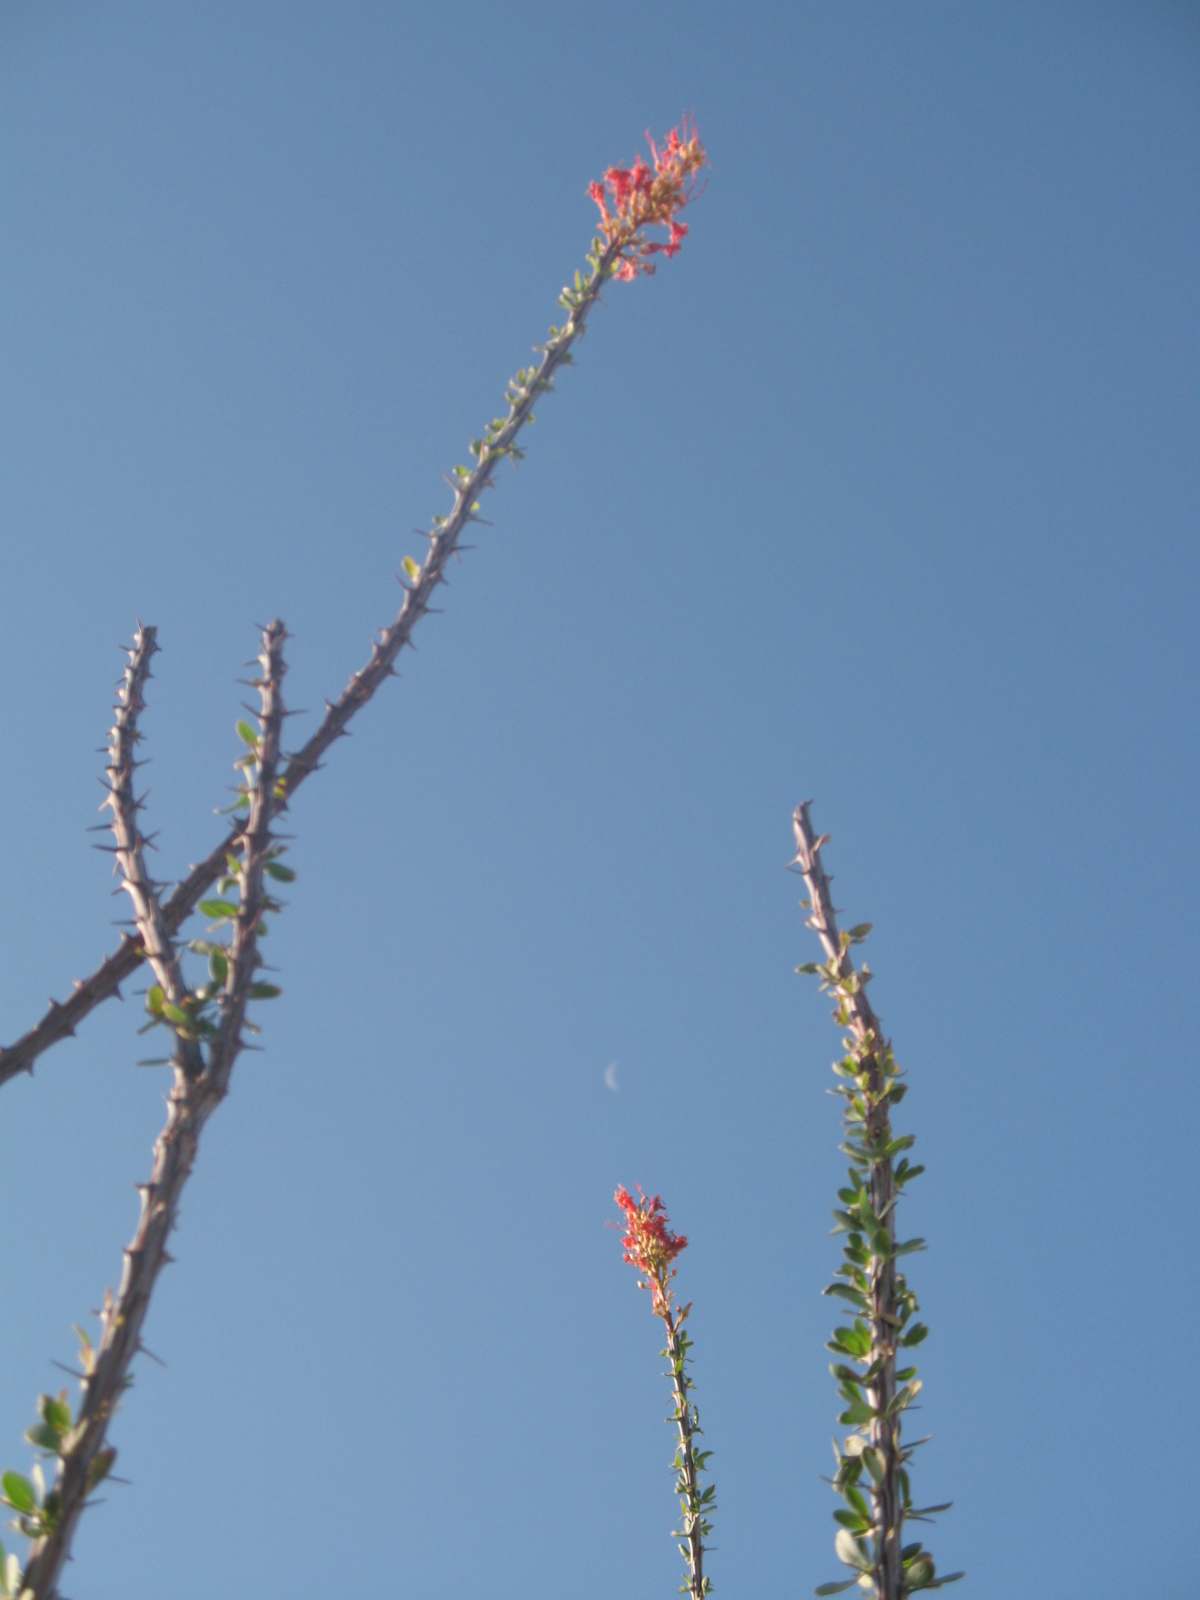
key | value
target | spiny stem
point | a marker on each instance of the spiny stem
(156, 941)
(856, 1013)
(694, 1524)
(650, 1247)
(194, 1096)
(873, 1458)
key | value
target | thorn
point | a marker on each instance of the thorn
(146, 1351)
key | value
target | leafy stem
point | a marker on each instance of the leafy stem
(872, 1475)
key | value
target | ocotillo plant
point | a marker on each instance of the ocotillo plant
(872, 1474)
(651, 1247)
(207, 1021)
(630, 199)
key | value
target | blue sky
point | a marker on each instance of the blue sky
(883, 493)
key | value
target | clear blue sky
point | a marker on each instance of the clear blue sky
(884, 493)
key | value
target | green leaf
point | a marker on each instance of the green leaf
(846, 1374)
(908, 1247)
(101, 1466)
(247, 734)
(218, 908)
(218, 966)
(844, 1292)
(19, 1492)
(264, 991)
(55, 1410)
(810, 969)
(919, 1573)
(44, 1437)
(917, 1334)
(903, 1398)
(412, 568)
(852, 1520)
(873, 1461)
(280, 873)
(860, 931)
(858, 1500)
(835, 1588)
(850, 1551)
(843, 1343)
(854, 1416)
(155, 995)
(175, 1014)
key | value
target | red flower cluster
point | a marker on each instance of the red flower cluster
(641, 195)
(649, 1245)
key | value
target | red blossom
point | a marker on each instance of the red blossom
(640, 196)
(649, 1245)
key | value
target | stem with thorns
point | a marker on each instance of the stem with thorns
(201, 1081)
(870, 1535)
(694, 1502)
(650, 1247)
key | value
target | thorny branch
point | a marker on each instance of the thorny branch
(868, 1044)
(198, 1087)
